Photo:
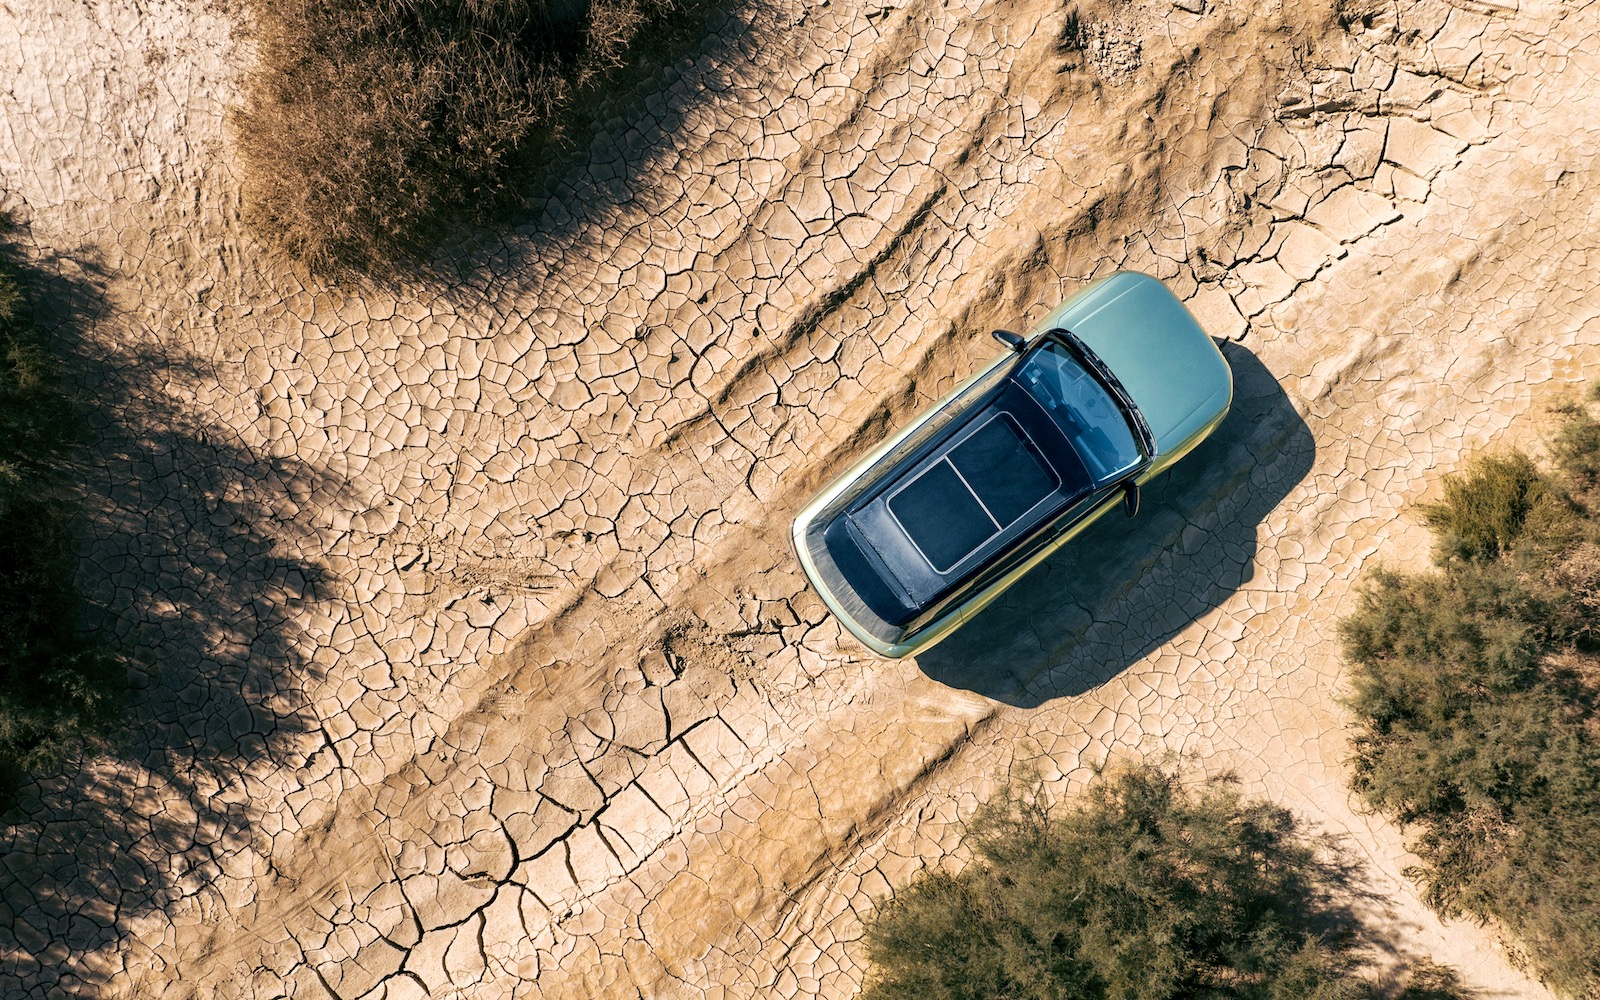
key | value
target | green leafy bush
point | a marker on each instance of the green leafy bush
(58, 690)
(1147, 891)
(1474, 692)
(372, 128)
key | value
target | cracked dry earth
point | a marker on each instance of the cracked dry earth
(469, 655)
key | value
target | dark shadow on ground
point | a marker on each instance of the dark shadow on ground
(611, 147)
(178, 534)
(1122, 589)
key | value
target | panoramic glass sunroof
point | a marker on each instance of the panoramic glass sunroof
(1000, 464)
(982, 487)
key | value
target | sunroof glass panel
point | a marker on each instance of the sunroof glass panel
(941, 515)
(1004, 470)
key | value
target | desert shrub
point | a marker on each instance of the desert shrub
(1074, 37)
(1146, 891)
(1355, 15)
(1577, 446)
(1501, 500)
(1430, 981)
(58, 689)
(1473, 726)
(372, 128)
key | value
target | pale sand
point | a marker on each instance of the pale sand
(477, 659)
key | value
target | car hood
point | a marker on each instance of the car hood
(1167, 363)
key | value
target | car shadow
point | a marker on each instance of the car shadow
(1122, 589)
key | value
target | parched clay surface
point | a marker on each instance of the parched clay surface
(470, 655)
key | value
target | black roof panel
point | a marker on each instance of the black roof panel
(994, 476)
(941, 515)
(1004, 468)
(936, 515)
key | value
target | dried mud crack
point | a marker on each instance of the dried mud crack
(472, 657)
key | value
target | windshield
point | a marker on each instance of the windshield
(1089, 415)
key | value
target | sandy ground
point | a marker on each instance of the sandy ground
(471, 657)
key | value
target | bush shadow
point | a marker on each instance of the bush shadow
(177, 534)
(603, 157)
(1122, 589)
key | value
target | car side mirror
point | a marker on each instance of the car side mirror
(1015, 341)
(1130, 498)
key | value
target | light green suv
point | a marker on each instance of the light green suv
(1102, 395)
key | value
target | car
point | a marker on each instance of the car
(1105, 393)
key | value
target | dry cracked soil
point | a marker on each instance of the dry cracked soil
(469, 654)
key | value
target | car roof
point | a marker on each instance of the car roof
(940, 514)
(976, 488)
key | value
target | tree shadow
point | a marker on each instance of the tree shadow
(1122, 589)
(179, 538)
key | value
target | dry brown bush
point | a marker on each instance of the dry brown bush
(372, 128)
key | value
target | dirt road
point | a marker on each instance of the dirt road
(471, 657)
